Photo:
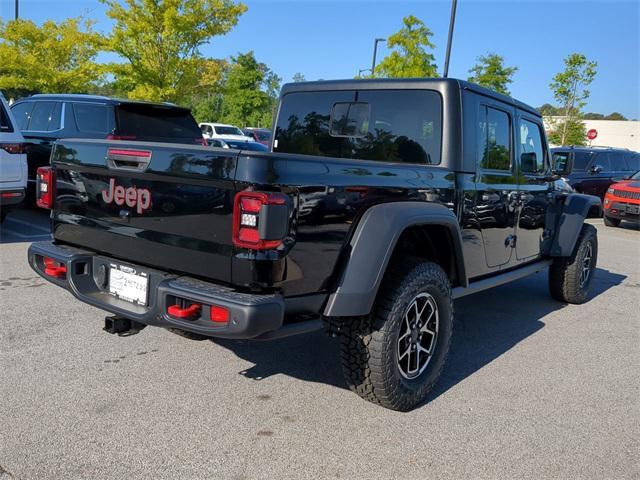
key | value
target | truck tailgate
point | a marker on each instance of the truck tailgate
(167, 206)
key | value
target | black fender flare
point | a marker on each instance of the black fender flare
(372, 245)
(571, 216)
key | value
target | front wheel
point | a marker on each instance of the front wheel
(611, 222)
(570, 278)
(394, 356)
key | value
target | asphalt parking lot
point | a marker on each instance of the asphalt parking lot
(533, 389)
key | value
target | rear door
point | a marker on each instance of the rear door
(162, 205)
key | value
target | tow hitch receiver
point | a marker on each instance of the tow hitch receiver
(123, 327)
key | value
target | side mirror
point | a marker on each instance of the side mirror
(596, 169)
(528, 162)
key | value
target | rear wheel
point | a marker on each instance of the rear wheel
(611, 222)
(394, 356)
(570, 278)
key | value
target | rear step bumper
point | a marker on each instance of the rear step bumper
(84, 275)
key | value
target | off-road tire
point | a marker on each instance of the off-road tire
(369, 343)
(611, 222)
(565, 273)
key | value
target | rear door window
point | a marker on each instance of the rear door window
(602, 159)
(494, 141)
(401, 126)
(633, 160)
(93, 119)
(157, 123)
(581, 160)
(5, 123)
(45, 117)
(22, 113)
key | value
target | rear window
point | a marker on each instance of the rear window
(263, 136)
(5, 123)
(228, 131)
(94, 119)
(157, 123)
(402, 126)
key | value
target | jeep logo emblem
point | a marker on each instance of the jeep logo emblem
(140, 198)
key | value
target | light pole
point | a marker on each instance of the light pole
(363, 70)
(16, 9)
(375, 51)
(452, 21)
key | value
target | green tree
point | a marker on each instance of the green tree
(51, 58)
(490, 72)
(208, 97)
(573, 133)
(299, 77)
(160, 41)
(615, 116)
(570, 91)
(250, 92)
(412, 55)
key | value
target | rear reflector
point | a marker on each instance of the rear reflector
(125, 152)
(191, 311)
(44, 187)
(121, 137)
(10, 194)
(53, 268)
(13, 148)
(219, 314)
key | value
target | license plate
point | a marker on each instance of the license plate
(633, 209)
(128, 284)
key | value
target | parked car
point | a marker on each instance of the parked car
(247, 144)
(592, 169)
(43, 119)
(622, 201)
(424, 191)
(13, 162)
(223, 131)
(261, 135)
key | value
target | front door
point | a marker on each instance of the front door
(496, 187)
(534, 192)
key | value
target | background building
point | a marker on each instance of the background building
(611, 133)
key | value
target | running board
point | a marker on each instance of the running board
(500, 279)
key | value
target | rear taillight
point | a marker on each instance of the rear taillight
(13, 148)
(45, 187)
(121, 137)
(201, 141)
(260, 220)
(53, 268)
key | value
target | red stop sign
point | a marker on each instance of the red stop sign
(592, 134)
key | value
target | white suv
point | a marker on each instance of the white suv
(13, 161)
(223, 132)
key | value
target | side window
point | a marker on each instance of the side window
(22, 113)
(532, 158)
(5, 123)
(618, 163)
(56, 116)
(581, 160)
(41, 116)
(560, 160)
(633, 160)
(494, 141)
(92, 118)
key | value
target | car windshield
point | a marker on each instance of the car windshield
(263, 135)
(228, 131)
(636, 176)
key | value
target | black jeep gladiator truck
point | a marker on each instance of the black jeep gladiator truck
(380, 202)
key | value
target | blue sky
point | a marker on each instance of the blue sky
(333, 39)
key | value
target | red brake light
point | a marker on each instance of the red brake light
(45, 187)
(246, 219)
(219, 314)
(121, 137)
(202, 141)
(13, 148)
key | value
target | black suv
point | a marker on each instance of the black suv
(592, 169)
(43, 119)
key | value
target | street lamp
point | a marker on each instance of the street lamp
(375, 51)
(16, 9)
(363, 70)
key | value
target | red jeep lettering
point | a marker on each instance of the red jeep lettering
(132, 196)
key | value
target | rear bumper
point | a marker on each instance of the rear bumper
(11, 197)
(250, 315)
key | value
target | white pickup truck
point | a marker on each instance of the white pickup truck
(13, 161)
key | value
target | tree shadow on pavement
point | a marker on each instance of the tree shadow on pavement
(488, 324)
